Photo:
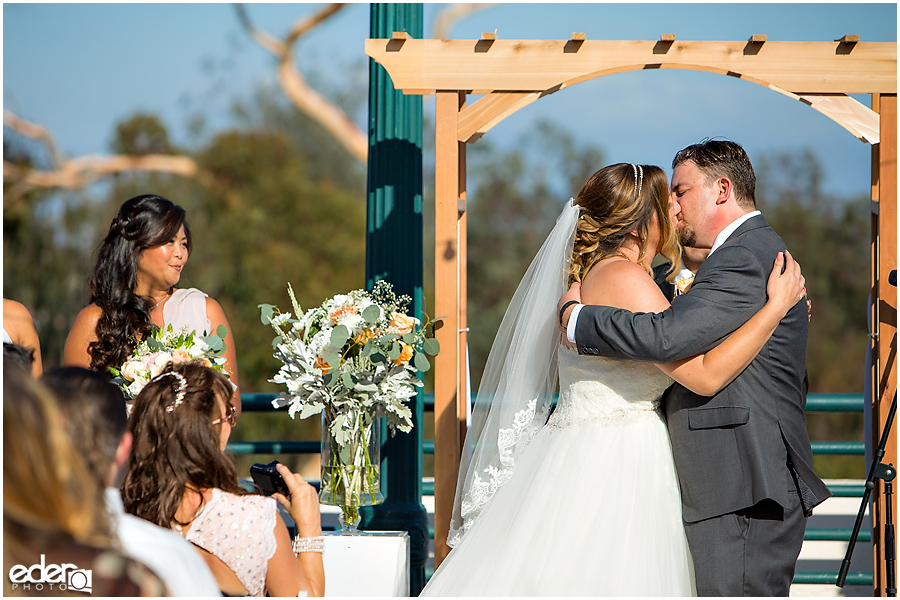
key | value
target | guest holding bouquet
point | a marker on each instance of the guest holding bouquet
(133, 289)
(180, 478)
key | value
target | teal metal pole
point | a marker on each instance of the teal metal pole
(394, 253)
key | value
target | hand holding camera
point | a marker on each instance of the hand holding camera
(293, 492)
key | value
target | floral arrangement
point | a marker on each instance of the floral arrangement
(353, 359)
(357, 351)
(161, 347)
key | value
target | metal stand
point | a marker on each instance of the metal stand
(886, 473)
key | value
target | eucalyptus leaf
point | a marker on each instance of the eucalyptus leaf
(266, 312)
(215, 344)
(328, 378)
(276, 341)
(371, 314)
(366, 349)
(347, 379)
(432, 346)
(222, 331)
(409, 338)
(377, 358)
(394, 352)
(332, 358)
(421, 362)
(345, 455)
(339, 336)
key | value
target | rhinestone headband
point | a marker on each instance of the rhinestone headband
(182, 386)
(638, 182)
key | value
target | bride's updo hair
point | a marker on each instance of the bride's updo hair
(143, 222)
(176, 444)
(614, 202)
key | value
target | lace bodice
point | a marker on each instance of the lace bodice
(597, 389)
(239, 531)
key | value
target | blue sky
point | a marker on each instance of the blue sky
(77, 69)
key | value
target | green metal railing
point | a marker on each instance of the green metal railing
(815, 403)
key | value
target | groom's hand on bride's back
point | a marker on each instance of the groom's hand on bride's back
(564, 310)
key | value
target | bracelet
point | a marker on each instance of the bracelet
(308, 544)
(563, 309)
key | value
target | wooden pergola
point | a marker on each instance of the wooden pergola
(511, 74)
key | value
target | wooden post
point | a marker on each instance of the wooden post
(884, 315)
(448, 396)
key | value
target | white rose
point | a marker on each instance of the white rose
(129, 371)
(162, 359)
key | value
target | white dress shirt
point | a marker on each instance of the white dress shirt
(720, 239)
(172, 558)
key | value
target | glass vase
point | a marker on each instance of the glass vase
(351, 465)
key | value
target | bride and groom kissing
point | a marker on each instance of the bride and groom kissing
(676, 460)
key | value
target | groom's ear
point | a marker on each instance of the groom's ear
(724, 190)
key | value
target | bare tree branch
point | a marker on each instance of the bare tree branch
(448, 17)
(33, 131)
(313, 104)
(79, 172)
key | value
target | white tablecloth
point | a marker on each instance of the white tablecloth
(373, 563)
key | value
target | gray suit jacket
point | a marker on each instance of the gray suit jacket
(747, 442)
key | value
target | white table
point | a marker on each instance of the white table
(372, 563)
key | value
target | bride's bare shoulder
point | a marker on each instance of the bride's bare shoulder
(622, 284)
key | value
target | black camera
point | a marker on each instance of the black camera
(268, 479)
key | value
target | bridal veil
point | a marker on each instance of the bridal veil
(520, 378)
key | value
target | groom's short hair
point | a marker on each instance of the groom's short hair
(723, 158)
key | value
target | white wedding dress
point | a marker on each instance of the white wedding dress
(593, 506)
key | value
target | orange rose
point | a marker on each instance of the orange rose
(362, 337)
(406, 353)
(400, 323)
(321, 364)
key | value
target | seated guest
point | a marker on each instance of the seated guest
(94, 413)
(53, 510)
(18, 328)
(18, 357)
(179, 477)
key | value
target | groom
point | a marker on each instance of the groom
(743, 456)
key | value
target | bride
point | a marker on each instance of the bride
(587, 501)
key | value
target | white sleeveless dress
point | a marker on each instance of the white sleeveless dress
(187, 307)
(593, 506)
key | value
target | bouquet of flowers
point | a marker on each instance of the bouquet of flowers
(353, 359)
(162, 347)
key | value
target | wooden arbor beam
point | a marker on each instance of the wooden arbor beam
(424, 66)
(514, 73)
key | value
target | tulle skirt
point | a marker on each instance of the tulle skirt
(591, 510)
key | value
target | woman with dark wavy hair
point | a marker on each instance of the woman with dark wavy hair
(180, 478)
(133, 288)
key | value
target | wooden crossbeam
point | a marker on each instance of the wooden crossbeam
(423, 66)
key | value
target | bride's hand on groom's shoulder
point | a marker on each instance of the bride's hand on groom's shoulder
(786, 285)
